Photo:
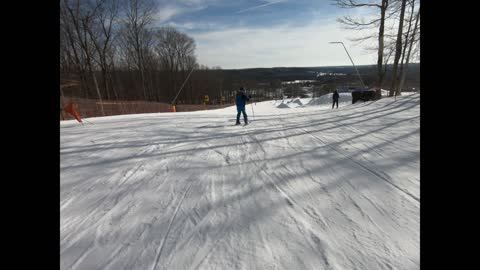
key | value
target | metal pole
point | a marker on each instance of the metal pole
(87, 121)
(253, 113)
(363, 85)
(182, 86)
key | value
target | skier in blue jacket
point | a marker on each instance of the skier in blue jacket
(240, 101)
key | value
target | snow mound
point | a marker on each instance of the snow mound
(298, 101)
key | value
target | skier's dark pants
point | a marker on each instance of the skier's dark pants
(333, 105)
(242, 110)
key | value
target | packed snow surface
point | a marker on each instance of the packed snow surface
(308, 187)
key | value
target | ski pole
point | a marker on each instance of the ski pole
(87, 121)
(253, 114)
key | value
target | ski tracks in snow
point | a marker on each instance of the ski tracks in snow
(288, 192)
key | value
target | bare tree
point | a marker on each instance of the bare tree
(352, 23)
(129, 59)
(72, 48)
(101, 33)
(176, 53)
(407, 33)
(398, 50)
(81, 17)
(410, 41)
(137, 35)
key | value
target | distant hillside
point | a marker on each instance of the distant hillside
(310, 73)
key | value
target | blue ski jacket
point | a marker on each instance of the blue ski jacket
(241, 100)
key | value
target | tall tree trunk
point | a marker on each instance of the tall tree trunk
(398, 50)
(78, 65)
(84, 44)
(412, 40)
(380, 73)
(105, 82)
(92, 72)
(404, 51)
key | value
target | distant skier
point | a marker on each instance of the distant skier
(335, 99)
(240, 101)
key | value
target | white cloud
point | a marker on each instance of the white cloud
(280, 46)
(269, 2)
(204, 26)
(167, 12)
(195, 4)
(170, 9)
(181, 26)
(191, 2)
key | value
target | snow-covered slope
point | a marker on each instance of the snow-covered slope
(299, 188)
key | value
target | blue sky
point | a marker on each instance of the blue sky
(265, 33)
